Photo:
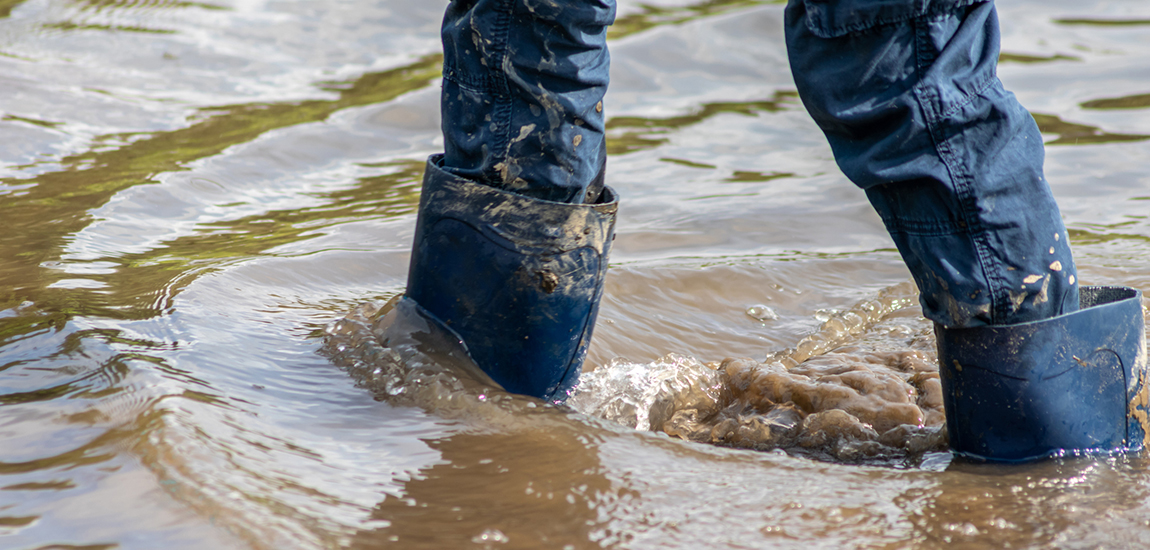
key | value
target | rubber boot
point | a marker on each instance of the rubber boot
(1070, 385)
(517, 279)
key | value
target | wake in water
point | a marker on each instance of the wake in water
(405, 359)
(864, 387)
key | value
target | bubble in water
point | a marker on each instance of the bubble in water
(490, 535)
(761, 312)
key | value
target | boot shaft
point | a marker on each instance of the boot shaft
(1072, 384)
(518, 279)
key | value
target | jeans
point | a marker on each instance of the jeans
(905, 91)
(523, 86)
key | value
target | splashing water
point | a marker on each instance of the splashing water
(863, 387)
(875, 399)
(630, 393)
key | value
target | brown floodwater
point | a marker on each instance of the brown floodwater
(207, 207)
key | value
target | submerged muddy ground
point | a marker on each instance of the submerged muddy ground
(207, 204)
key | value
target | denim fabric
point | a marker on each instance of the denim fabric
(523, 85)
(906, 93)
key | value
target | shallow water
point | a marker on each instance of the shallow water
(196, 192)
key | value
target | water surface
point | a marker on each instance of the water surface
(195, 193)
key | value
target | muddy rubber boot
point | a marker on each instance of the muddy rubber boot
(516, 278)
(1070, 385)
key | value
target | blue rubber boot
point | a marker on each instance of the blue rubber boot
(1069, 385)
(518, 279)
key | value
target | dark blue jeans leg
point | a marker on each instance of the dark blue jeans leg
(523, 86)
(906, 93)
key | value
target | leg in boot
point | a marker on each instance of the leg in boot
(907, 95)
(518, 279)
(1067, 385)
(515, 223)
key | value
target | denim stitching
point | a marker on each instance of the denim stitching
(922, 228)
(917, 14)
(961, 180)
(501, 113)
(478, 85)
(969, 98)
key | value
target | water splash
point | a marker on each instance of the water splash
(630, 393)
(863, 387)
(878, 398)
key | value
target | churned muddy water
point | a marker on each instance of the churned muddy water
(207, 205)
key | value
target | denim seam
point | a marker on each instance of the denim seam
(920, 13)
(922, 228)
(478, 85)
(969, 98)
(501, 113)
(961, 180)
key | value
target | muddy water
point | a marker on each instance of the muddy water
(195, 194)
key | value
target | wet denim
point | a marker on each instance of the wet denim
(907, 94)
(523, 86)
(905, 91)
